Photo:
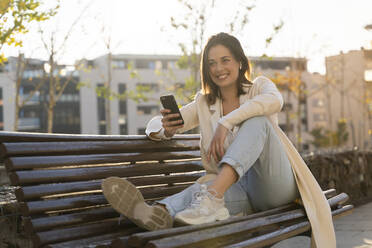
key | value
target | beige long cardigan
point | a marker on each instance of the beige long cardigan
(262, 98)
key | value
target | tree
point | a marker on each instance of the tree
(14, 17)
(19, 103)
(292, 84)
(328, 138)
(198, 19)
(55, 48)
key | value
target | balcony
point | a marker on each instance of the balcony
(368, 76)
(34, 100)
(28, 123)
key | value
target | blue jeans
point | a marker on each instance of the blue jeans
(265, 175)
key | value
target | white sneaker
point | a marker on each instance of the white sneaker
(204, 208)
(125, 198)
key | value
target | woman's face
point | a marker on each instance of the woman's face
(223, 68)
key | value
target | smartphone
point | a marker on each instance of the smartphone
(169, 102)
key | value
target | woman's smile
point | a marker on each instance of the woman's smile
(223, 67)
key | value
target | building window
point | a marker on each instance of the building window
(158, 65)
(286, 128)
(123, 110)
(318, 103)
(141, 131)
(119, 64)
(368, 75)
(147, 110)
(101, 113)
(148, 87)
(145, 64)
(69, 98)
(272, 64)
(172, 64)
(319, 117)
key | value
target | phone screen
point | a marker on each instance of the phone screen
(169, 102)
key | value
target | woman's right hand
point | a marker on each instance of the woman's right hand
(170, 127)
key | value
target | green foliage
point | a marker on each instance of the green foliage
(327, 138)
(183, 62)
(14, 17)
(321, 139)
(196, 20)
(276, 30)
(133, 72)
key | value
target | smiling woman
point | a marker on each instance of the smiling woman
(250, 163)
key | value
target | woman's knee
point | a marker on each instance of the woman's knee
(256, 122)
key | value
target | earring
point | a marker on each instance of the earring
(240, 66)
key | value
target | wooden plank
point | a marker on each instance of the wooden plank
(95, 147)
(219, 236)
(100, 240)
(20, 178)
(140, 239)
(33, 225)
(274, 237)
(338, 200)
(82, 231)
(6, 136)
(220, 232)
(35, 192)
(45, 223)
(284, 233)
(31, 162)
(38, 207)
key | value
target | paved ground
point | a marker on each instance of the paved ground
(352, 231)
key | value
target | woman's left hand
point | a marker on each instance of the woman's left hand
(216, 148)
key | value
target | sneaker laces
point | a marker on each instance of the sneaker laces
(200, 195)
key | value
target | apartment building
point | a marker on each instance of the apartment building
(82, 110)
(156, 73)
(349, 82)
(33, 114)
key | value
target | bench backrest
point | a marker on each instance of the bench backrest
(60, 177)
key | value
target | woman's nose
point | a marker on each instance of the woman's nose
(219, 67)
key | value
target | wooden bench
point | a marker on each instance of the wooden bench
(61, 202)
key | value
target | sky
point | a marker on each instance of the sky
(312, 29)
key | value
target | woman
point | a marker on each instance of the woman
(243, 151)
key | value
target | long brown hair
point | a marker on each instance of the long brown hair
(209, 88)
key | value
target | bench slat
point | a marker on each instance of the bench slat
(101, 240)
(100, 172)
(286, 232)
(82, 231)
(33, 225)
(6, 136)
(34, 192)
(38, 207)
(218, 235)
(44, 223)
(138, 240)
(94, 147)
(33, 162)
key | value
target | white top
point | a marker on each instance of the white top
(261, 98)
